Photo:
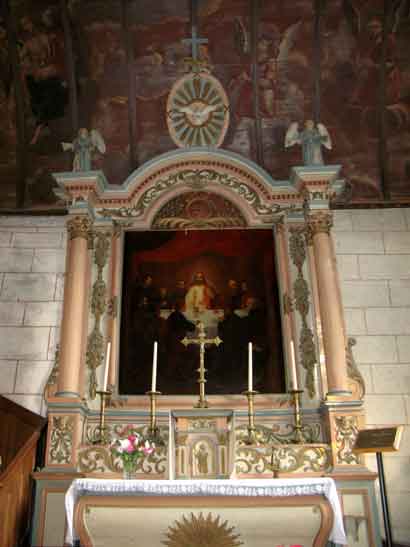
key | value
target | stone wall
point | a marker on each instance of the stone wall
(373, 253)
(32, 263)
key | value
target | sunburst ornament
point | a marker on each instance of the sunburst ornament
(198, 531)
(197, 111)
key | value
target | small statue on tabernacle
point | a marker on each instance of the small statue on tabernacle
(84, 146)
(311, 138)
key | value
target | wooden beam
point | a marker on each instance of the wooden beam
(21, 144)
(70, 65)
(255, 14)
(132, 106)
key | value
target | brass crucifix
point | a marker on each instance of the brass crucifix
(201, 341)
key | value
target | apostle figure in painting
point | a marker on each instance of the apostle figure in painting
(312, 138)
(84, 146)
(200, 295)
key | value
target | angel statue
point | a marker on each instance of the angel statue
(83, 146)
(311, 139)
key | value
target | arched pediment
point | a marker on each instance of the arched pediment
(248, 187)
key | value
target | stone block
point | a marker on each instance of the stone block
(46, 260)
(400, 292)
(355, 323)
(24, 342)
(11, 313)
(31, 402)
(385, 410)
(397, 242)
(36, 240)
(43, 313)
(342, 221)
(32, 376)
(5, 238)
(365, 294)
(348, 267)
(379, 220)
(28, 287)
(407, 403)
(59, 291)
(384, 267)
(16, 260)
(399, 511)
(407, 215)
(358, 242)
(393, 379)
(7, 376)
(388, 321)
(397, 475)
(403, 346)
(375, 349)
(10, 221)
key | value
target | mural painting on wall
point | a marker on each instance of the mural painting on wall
(173, 280)
(111, 65)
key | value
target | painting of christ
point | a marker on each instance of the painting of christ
(172, 280)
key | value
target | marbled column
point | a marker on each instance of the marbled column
(319, 224)
(74, 315)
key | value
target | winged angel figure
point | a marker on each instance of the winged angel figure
(311, 139)
(83, 146)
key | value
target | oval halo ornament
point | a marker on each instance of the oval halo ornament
(197, 111)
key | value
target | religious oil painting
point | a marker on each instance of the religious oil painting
(174, 280)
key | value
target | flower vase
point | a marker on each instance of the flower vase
(128, 470)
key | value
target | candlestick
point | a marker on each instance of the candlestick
(107, 366)
(101, 431)
(154, 368)
(154, 429)
(251, 438)
(293, 371)
(298, 427)
(250, 367)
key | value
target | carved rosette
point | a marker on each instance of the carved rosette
(99, 306)
(79, 226)
(347, 428)
(302, 305)
(61, 440)
(320, 222)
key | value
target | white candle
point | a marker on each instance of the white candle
(250, 367)
(154, 367)
(107, 366)
(170, 449)
(293, 372)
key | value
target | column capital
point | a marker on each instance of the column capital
(320, 222)
(79, 226)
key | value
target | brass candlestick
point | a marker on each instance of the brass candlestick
(101, 432)
(251, 438)
(153, 428)
(298, 427)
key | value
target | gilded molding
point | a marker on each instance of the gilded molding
(278, 434)
(301, 293)
(61, 439)
(79, 226)
(320, 222)
(347, 428)
(354, 376)
(99, 306)
(287, 304)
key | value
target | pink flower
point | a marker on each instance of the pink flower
(148, 448)
(132, 438)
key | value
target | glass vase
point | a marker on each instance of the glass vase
(128, 470)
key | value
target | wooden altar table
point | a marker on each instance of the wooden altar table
(217, 495)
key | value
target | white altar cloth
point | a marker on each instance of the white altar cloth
(248, 487)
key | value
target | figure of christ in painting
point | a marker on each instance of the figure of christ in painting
(200, 295)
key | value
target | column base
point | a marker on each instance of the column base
(336, 394)
(71, 394)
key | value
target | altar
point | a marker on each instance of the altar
(213, 513)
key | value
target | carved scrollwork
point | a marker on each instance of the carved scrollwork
(279, 434)
(61, 439)
(302, 305)
(358, 386)
(346, 432)
(78, 226)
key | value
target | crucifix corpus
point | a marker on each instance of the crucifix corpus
(201, 341)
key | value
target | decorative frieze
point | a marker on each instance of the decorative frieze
(347, 428)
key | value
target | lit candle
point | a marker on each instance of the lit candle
(107, 366)
(250, 367)
(154, 367)
(293, 372)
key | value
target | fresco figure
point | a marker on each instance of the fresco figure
(311, 139)
(84, 146)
